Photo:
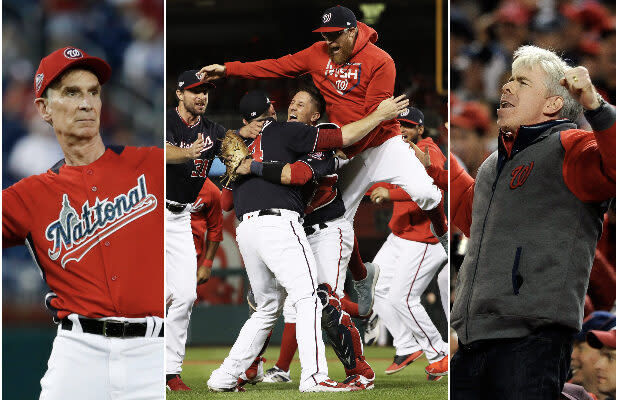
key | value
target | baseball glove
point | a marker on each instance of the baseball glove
(233, 152)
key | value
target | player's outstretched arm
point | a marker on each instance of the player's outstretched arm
(296, 174)
(179, 155)
(388, 109)
(212, 72)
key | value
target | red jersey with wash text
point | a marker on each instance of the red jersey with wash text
(351, 91)
(95, 231)
(207, 217)
(408, 220)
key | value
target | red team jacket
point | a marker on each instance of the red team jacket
(408, 220)
(95, 231)
(207, 217)
(351, 91)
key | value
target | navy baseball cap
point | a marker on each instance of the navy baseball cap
(191, 79)
(336, 19)
(412, 116)
(599, 321)
(253, 104)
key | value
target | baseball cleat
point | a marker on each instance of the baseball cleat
(372, 330)
(276, 375)
(437, 369)
(329, 385)
(359, 381)
(400, 362)
(254, 374)
(366, 289)
(176, 384)
(233, 389)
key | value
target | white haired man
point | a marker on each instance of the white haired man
(533, 216)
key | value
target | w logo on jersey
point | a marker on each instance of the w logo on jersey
(343, 78)
(78, 234)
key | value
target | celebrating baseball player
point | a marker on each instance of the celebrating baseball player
(533, 215)
(330, 237)
(353, 75)
(408, 261)
(271, 240)
(192, 142)
(90, 223)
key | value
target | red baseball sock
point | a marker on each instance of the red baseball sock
(350, 307)
(356, 266)
(288, 347)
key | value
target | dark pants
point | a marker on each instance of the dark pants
(529, 368)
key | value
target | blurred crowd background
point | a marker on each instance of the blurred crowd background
(128, 34)
(203, 33)
(484, 36)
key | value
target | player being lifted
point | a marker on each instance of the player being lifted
(353, 75)
(271, 238)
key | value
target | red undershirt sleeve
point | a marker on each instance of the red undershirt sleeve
(461, 196)
(300, 173)
(329, 139)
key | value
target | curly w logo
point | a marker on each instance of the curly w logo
(520, 174)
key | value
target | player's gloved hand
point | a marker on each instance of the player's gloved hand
(252, 129)
(379, 195)
(393, 106)
(424, 158)
(197, 147)
(212, 72)
(577, 81)
(203, 274)
(233, 152)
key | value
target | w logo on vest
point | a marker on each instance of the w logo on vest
(520, 174)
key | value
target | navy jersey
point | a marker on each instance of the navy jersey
(279, 141)
(322, 197)
(184, 181)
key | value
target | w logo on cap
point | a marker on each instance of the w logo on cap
(326, 17)
(405, 112)
(72, 53)
(38, 80)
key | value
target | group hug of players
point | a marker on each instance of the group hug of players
(295, 200)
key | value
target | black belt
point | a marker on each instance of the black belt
(109, 328)
(175, 208)
(310, 230)
(267, 211)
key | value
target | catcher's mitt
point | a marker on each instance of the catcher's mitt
(233, 152)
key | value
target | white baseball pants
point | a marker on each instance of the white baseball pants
(406, 268)
(391, 162)
(180, 288)
(94, 367)
(278, 260)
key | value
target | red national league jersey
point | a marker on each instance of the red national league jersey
(95, 231)
(351, 91)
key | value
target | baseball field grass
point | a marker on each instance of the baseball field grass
(410, 383)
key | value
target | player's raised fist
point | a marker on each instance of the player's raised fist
(212, 72)
(391, 107)
(252, 129)
(577, 81)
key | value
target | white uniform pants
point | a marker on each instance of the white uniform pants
(393, 162)
(332, 249)
(180, 288)
(94, 367)
(406, 268)
(278, 260)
